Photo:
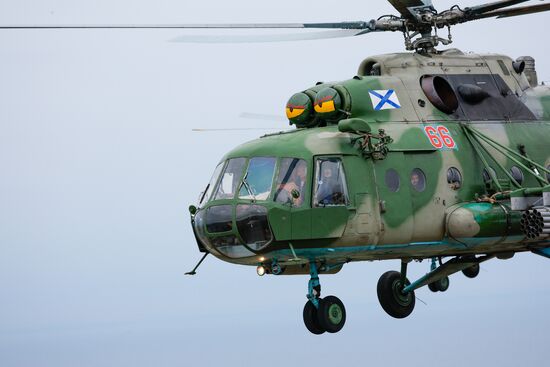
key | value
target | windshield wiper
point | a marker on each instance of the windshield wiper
(247, 186)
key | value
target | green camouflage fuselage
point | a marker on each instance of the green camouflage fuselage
(381, 221)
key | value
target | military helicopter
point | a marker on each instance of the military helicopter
(431, 155)
(436, 155)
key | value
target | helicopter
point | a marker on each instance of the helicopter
(430, 154)
(426, 155)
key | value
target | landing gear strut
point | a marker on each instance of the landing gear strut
(322, 314)
(396, 293)
(393, 299)
(440, 285)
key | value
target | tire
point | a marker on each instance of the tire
(331, 314)
(472, 271)
(391, 299)
(443, 284)
(433, 287)
(311, 320)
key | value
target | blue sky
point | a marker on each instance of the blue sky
(98, 166)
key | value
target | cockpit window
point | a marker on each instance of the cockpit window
(292, 176)
(230, 179)
(256, 184)
(210, 188)
(330, 186)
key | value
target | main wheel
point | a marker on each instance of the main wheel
(433, 287)
(331, 314)
(472, 271)
(392, 300)
(442, 284)
(311, 319)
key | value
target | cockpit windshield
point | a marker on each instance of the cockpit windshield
(230, 179)
(257, 181)
(252, 179)
(210, 188)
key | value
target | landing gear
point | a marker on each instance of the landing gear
(311, 320)
(440, 285)
(395, 292)
(472, 271)
(322, 314)
(393, 299)
(331, 314)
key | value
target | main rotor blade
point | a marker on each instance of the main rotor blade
(523, 10)
(483, 8)
(236, 129)
(261, 116)
(260, 38)
(339, 25)
(406, 7)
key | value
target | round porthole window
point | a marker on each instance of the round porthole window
(418, 180)
(487, 175)
(517, 174)
(392, 180)
(454, 178)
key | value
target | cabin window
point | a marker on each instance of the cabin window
(418, 180)
(257, 181)
(291, 178)
(392, 180)
(517, 174)
(230, 179)
(330, 183)
(454, 178)
(230, 246)
(487, 179)
(210, 187)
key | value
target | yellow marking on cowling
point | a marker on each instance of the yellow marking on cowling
(325, 107)
(294, 112)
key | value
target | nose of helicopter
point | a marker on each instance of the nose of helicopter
(233, 230)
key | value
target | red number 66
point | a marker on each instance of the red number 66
(440, 136)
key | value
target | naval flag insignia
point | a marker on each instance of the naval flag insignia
(384, 99)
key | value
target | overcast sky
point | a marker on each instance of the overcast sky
(98, 165)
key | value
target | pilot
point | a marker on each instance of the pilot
(329, 191)
(296, 182)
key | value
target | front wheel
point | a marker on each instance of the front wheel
(331, 314)
(396, 303)
(311, 319)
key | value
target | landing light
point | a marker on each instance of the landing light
(260, 270)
